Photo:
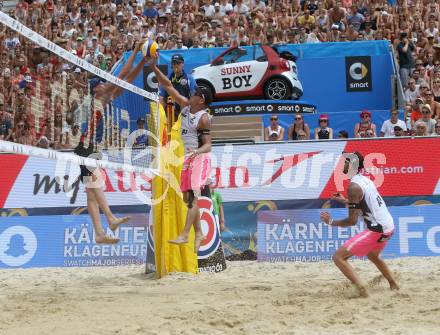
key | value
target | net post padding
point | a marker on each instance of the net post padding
(170, 212)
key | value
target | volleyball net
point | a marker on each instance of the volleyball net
(65, 91)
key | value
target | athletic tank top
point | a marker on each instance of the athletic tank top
(375, 213)
(190, 122)
(274, 133)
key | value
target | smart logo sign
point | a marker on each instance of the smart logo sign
(358, 74)
(299, 235)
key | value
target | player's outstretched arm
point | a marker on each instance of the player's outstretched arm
(354, 197)
(167, 85)
(127, 66)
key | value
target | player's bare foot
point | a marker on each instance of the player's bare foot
(106, 240)
(179, 240)
(198, 241)
(118, 221)
(363, 293)
(394, 287)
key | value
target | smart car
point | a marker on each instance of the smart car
(258, 72)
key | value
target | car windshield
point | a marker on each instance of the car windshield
(234, 56)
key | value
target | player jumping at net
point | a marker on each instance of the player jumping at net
(365, 200)
(196, 137)
(91, 177)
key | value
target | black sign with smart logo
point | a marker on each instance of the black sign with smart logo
(358, 74)
(150, 81)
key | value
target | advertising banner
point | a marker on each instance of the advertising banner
(299, 235)
(249, 107)
(211, 257)
(69, 241)
(267, 171)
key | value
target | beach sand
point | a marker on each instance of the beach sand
(247, 298)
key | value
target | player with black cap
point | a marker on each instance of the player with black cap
(184, 83)
(363, 200)
(196, 137)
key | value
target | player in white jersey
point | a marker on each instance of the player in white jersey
(363, 200)
(196, 137)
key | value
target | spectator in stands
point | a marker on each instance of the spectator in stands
(427, 120)
(5, 124)
(43, 142)
(420, 129)
(274, 132)
(435, 88)
(416, 111)
(398, 131)
(323, 132)
(411, 92)
(141, 140)
(437, 129)
(365, 125)
(389, 126)
(435, 106)
(406, 61)
(342, 134)
(298, 125)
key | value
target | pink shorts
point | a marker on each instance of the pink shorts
(361, 244)
(195, 172)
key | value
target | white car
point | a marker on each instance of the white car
(259, 72)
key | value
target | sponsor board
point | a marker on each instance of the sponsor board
(282, 171)
(358, 74)
(210, 256)
(299, 235)
(260, 107)
(68, 241)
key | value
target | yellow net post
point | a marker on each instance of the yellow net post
(169, 210)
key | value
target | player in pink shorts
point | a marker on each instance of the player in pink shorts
(363, 200)
(196, 137)
(195, 172)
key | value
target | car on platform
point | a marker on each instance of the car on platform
(261, 71)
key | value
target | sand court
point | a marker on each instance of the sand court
(247, 298)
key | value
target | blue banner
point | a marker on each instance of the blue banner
(299, 235)
(68, 241)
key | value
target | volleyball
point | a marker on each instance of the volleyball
(149, 48)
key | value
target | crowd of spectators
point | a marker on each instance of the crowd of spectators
(100, 31)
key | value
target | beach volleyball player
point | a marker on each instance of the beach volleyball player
(91, 177)
(365, 200)
(196, 137)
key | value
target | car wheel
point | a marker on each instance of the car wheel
(277, 89)
(208, 88)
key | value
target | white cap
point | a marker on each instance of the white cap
(28, 78)
(120, 14)
(335, 26)
(216, 4)
(77, 70)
